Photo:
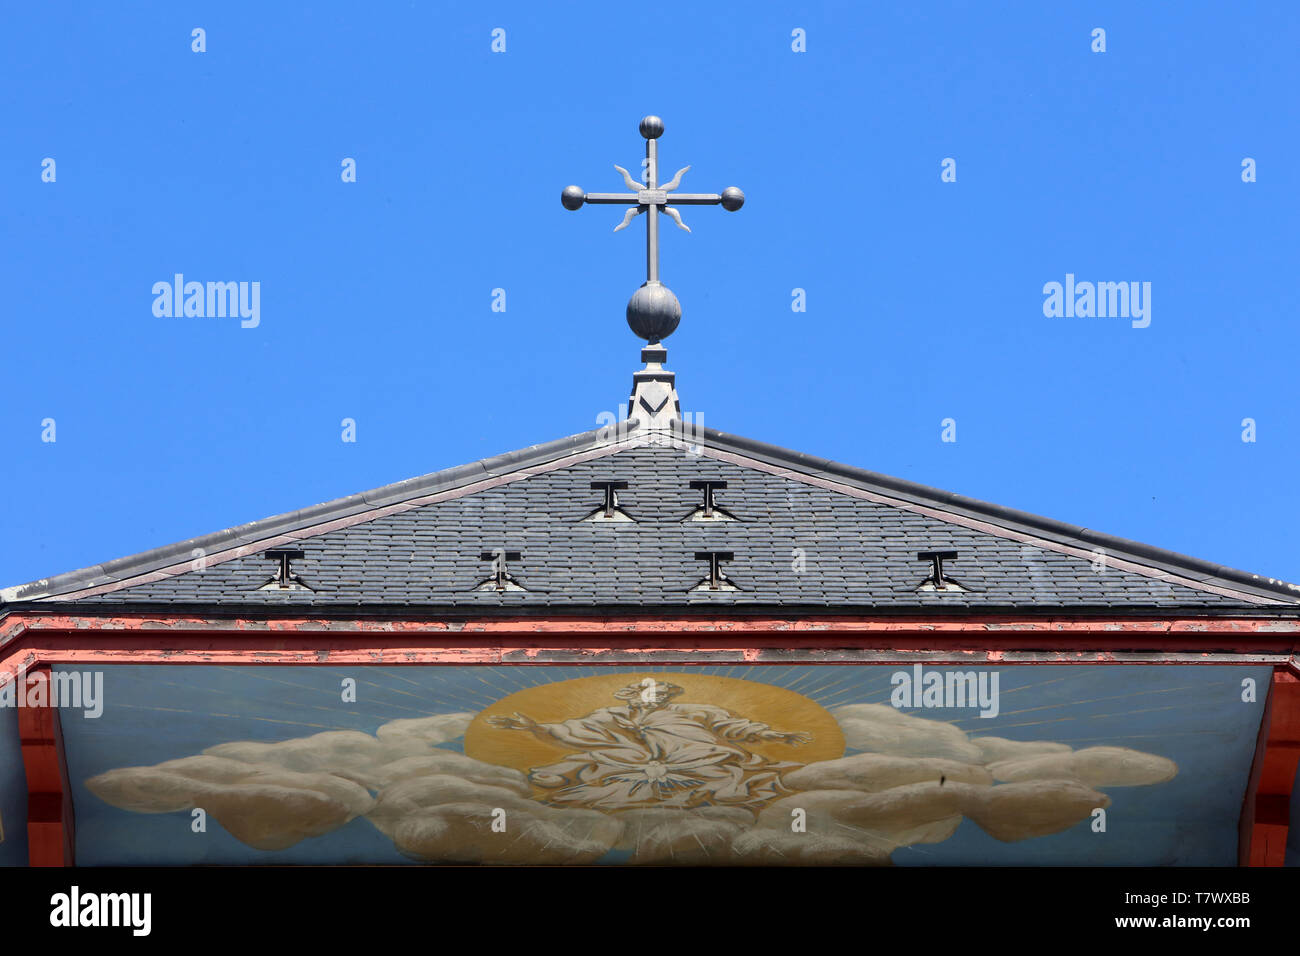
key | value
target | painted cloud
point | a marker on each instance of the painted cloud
(916, 780)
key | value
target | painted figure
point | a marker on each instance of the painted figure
(651, 752)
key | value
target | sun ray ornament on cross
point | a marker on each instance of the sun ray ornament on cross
(653, 312)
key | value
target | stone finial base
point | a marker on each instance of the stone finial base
(654, 403)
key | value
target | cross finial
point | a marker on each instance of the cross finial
(653, 312)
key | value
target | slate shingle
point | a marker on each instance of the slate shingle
(855, 553)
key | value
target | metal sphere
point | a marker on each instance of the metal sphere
(653, 312)
(652, 127)
(732, 199)
(573, 197)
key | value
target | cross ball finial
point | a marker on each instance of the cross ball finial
(653, 311)
(573, 197)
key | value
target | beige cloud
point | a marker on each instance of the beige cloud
(272, 811)
(462, 833)
(665, 836)
(874, 772)
(775, 848)
(913, 813)
(266, 808)
(271, 795)
(448, 762)
(993, 749)
(438, 729)
(880, 728)
(405, 797)
(1020, 811)
(347, 752)
(931, 812)
(442, 818)
(207, 769)
(350, 753)
(1094, 766)
(147, 789)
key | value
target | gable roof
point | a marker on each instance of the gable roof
(804, 532)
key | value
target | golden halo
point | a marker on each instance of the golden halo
(779, 708)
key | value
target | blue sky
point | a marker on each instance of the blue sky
(924, 298)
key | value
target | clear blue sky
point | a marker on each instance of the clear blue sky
(924, 298)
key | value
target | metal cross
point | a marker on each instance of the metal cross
(651, 197)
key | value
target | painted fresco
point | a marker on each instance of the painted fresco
(801, 764)
(13, 792)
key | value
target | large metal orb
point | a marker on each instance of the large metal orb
(732, 199)
(653, 312)
(573, 197)
(652, 127)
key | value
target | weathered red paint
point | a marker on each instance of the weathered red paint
(19, 622)
(1266, 815)
(308, 650)
(183, 639)
(49, 797)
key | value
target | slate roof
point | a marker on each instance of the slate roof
(807, 533)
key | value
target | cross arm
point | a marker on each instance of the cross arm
(694, 199)
(608, 199)
(660, 198)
